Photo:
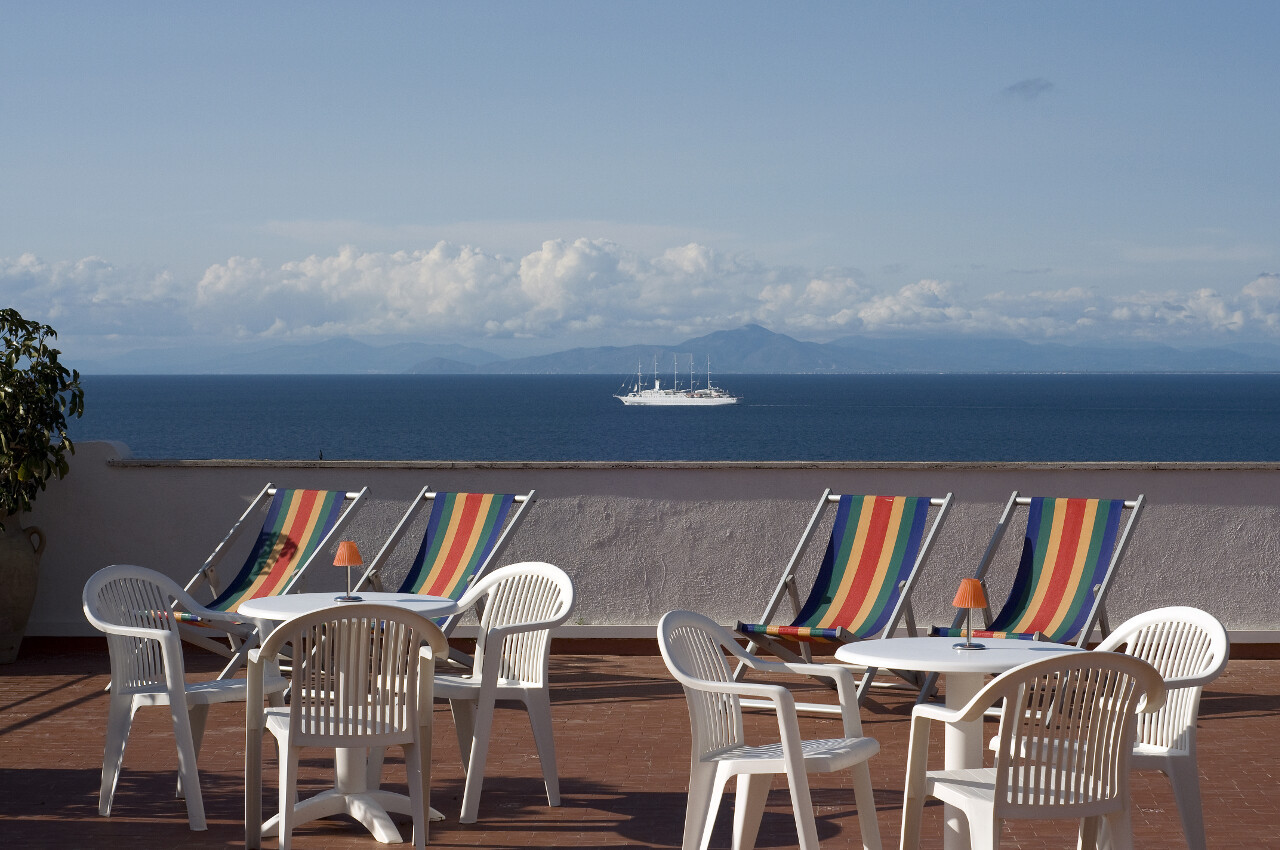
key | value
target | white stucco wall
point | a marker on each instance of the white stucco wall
(640, 539)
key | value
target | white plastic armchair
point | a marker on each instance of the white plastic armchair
(356, 685)
(1067, 727)
(135, 607)
(1189, 648)
(521, 604)
(694, 648)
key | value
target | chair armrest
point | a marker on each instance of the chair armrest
(776, 693)
(944, 714)
(846, 685)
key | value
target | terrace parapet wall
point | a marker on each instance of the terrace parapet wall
(642, 538)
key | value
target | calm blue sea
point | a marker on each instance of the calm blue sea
(782, 417)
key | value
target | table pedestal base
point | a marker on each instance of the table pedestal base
(352, 796)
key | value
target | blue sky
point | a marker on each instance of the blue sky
(526, 177)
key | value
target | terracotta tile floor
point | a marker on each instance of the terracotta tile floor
(622, 732)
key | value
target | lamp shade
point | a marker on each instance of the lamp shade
(348, 555)
(970, 594)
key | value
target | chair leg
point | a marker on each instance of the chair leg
(748, 808)
(1088, 836)
(1120, 827)
(373, 767)
(864, 797)
(464, 724)
(538, 703)
(702, 784)
(912, 811)
(479, 755)
(119, 718)
(984, 832)
(1184, 775)
(413, 775)
(288, 793)
(425, 727)
(188, 773)
(802, 809)
(198, 717)
(253, 789)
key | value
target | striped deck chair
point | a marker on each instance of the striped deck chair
(1069, 558)
(863, 587)
(464, 535)
(297, 527)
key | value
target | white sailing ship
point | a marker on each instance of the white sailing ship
(674, 396)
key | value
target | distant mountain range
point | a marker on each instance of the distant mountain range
(747, 350)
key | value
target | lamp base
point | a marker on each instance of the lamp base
(348, 598)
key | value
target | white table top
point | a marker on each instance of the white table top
(939, 655)
(292, 604)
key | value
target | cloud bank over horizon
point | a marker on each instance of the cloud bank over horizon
(587, 292)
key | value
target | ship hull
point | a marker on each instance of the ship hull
(660, 398)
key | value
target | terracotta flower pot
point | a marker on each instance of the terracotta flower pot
(20, 550)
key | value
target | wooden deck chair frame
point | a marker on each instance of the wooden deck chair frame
(373, 575)
(240, 639)
(901, 615)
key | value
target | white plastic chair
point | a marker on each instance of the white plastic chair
(1189, 648)
(135, 607)
(694, 648)
(521, 604)
(355, 685)
(1073, 719)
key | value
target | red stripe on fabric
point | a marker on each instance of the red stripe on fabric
(450, 562)
(301, 518)
(881, 512)
(1063, 567)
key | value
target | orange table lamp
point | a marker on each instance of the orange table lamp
(969, 595)
(348, 556)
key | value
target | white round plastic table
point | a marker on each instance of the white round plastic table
(351, 793)
(965, 670)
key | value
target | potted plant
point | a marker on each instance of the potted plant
(37, 394)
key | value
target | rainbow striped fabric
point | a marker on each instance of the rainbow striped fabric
(874, 545)
(460, 536)
(1066, 553)
(296, 522)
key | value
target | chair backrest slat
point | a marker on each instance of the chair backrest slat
(874, 546)
(1067, 552)
(127, 597)
(355, 673)
(518, 595)
(694, 655)
(1066, 733)
(1181, 643)
(296, 524)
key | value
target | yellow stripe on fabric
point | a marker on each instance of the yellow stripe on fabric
(1050, 558)
(277, 545)
(1067, 603)
(477, 530)
(855, 553)
(891, 534)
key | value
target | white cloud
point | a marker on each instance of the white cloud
(586, 291)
